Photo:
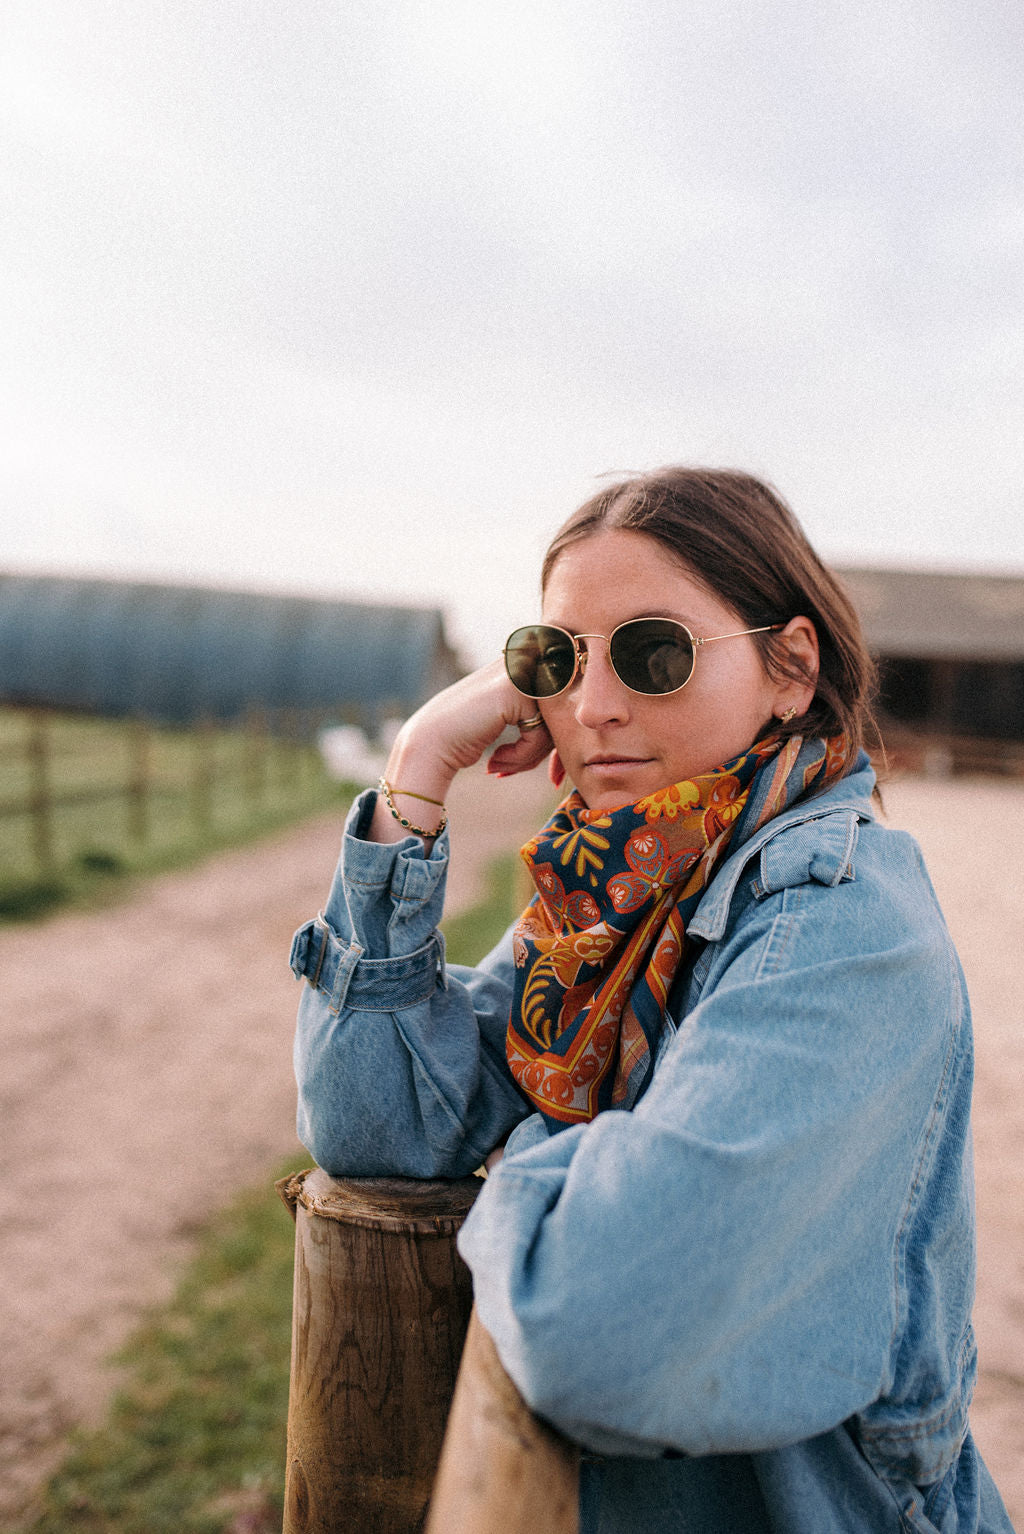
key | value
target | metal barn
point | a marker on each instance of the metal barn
(950, 650)
(180, 653)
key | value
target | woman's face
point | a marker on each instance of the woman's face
(617, 745)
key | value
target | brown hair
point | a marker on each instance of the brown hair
(741, 541)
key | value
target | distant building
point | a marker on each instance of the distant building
(180, 653)
(950, 650)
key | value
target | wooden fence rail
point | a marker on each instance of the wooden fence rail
(502, 1470)
(255, 755)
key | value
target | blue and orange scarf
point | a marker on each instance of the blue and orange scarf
(599, 945)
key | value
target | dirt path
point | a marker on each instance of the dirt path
(972, 835)
(147, 1075)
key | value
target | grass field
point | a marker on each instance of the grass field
(194, 1442)
(123, 799)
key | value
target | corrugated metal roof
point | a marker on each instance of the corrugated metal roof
(180, 652)
(937, 615)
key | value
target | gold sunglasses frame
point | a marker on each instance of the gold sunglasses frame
(697, 641)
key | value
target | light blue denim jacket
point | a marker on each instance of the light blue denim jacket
(749, 1298)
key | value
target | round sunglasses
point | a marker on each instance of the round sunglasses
(654, 656)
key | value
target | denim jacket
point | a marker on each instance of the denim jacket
(749, 1298)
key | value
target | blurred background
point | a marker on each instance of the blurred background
(361, 300)
(317, 321)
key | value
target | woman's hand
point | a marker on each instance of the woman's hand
(452, 731)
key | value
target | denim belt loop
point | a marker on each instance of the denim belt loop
(346, 968)
(323, 931)
(442, 972)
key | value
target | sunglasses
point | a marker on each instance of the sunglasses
(654, 656)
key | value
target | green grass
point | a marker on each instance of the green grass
(194, 1441)
(196, 1435)
(473, 933)
(99, 847)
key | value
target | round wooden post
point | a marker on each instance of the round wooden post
(503, 1470)
(382, 1300)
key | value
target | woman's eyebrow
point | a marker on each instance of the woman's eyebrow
(648, 612)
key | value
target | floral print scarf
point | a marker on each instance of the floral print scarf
(599, 945)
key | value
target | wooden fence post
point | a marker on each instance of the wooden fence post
(256, 747)
(202, 778)
(382, 1300)
(139, 780)
(40, 801)
(502, 1470)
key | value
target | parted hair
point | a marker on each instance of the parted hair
(738, 537)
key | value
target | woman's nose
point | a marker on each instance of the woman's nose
(600, 697)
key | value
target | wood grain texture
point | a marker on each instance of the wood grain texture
(503, 1470)
(381, 1304)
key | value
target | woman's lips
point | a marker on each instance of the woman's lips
(611, 762)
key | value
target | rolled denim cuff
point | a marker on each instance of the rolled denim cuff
(386, 896)
(342, 973)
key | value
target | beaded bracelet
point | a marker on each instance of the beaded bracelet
(387, 791)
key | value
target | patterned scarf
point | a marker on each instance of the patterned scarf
(600, 943)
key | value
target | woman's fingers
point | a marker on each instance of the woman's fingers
(520, 755)
(456, 727)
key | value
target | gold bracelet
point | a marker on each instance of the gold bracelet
(410, 795)
(386, 790)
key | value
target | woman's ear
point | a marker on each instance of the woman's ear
(799, 641)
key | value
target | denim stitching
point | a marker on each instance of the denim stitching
(843, 867)
(382, 884)
(416, 980)
(927, 1427)
(940, 1496)
(783, 930)
(390, 1004)
(929, 1133)
(343, 977)
(904, 1517)
(425, 975)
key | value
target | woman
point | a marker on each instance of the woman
(728, 1246)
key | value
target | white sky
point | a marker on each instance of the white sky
(360, 299)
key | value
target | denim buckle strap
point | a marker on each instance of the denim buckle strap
(339, 971)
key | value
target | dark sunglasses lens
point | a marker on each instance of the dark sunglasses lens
(540, 660)
(652, 655)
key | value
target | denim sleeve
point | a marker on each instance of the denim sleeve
(399, 1057)
(724, 1269)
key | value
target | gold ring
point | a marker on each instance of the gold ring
(531, 724)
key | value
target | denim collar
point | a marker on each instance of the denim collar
(850, 800)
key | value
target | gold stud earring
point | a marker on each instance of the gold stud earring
(788, 715)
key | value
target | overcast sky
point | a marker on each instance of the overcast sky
(361, 299)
